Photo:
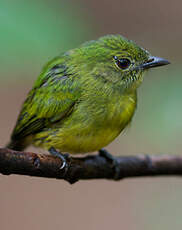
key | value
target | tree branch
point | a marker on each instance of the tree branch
(89, 167)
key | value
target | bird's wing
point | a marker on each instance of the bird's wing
(52, 98)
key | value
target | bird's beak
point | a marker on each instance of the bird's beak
(154, 62)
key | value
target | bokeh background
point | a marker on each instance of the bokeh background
(31, 33)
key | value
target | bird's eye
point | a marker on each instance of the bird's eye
(122, 63)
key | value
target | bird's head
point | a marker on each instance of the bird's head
(115, 59)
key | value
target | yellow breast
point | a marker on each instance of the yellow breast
(92, 135)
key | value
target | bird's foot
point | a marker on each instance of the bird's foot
(114, 162)
(62, 156)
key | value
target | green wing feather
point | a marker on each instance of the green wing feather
(51, 99)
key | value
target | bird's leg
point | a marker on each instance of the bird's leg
(115, 164)
(63, 157)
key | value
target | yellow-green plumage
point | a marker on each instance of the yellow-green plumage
(83, 99)
(83, 132)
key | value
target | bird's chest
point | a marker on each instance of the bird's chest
(119, 112)
(110, 120)
(99, 123)
(106, 121)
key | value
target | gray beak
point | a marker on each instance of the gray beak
(154, 62)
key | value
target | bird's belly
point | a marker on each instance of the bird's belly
(84, 143)
(74, 141)
(88, 135)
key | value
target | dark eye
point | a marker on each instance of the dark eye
(122, 63)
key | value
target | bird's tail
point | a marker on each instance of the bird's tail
(16, 145)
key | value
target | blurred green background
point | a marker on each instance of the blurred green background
(31, 33)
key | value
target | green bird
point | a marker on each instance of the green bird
(84, 98)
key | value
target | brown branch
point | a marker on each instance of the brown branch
(89, 167)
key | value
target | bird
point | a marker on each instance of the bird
(84, 98)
